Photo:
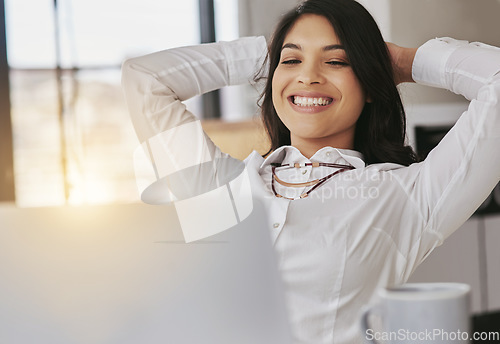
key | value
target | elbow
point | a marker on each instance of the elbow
(127, 72)
(135, 76)
(135, 72)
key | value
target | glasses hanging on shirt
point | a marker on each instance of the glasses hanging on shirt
(314, 184)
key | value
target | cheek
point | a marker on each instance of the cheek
(278, 85)
(277, 90)
(355, 87)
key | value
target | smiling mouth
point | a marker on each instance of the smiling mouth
(311, 101)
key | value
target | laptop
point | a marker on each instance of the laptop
(124, 274)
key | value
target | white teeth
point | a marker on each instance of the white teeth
(306, 101)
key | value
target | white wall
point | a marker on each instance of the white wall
(412, 22)
(259, 17)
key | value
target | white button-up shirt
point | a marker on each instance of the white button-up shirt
(365, 228)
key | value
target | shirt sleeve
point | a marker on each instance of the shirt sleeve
(183, 161)
(156, 84)
(461, 171)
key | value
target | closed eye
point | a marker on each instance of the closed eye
(291, 62)
(338, 63)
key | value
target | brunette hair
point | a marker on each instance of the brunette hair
(381, 128)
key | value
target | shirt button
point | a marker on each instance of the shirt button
(276, 225)
(328, 153)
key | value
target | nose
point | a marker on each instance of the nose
(310, 73)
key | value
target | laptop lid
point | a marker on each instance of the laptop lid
(124, 274)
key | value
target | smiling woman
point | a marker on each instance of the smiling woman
(337, 127)
(315, 91)
(355, 64)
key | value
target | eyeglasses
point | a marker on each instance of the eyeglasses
(314, 183)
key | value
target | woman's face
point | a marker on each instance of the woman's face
(314, 89)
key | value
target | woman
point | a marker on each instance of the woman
(350, 209)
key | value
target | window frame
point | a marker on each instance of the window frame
(7, 183)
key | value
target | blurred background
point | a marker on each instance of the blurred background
(72, 139)
(66, 141)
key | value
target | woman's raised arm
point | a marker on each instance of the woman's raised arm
(182, 161)
(461, 171)
(402, 62)
(156, 84)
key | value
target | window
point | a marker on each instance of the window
(72, 136)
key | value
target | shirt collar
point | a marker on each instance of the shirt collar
(290, 154)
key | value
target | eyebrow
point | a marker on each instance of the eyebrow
(326, 48)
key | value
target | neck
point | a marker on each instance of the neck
(308, 147)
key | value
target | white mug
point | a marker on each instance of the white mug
(420, 313)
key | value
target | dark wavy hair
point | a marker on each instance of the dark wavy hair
(381, 128)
